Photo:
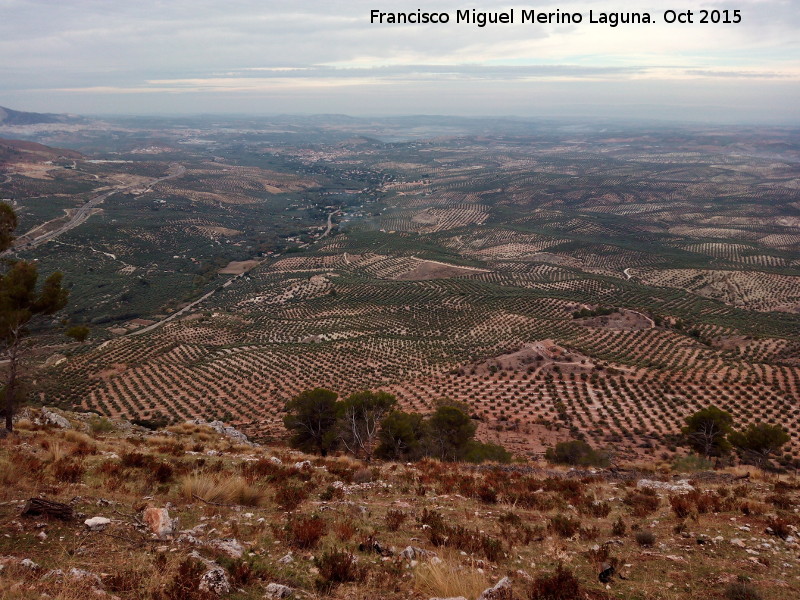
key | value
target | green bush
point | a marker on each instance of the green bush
(101, 425)
(478, 452)
(576, 453)
(691, 463)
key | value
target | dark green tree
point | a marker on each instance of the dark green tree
(478, 452)
(79, 333)
(8, 223)
(360, 416)
(21, 303)
(760, 440)
(400, 436)
(450, 431)
(706, 431)
(576, 452)
(311, 418)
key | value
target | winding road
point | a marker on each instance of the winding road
(330, 224)
(85, 211)
(207, 295)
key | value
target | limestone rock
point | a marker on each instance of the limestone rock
(159, 522)
(29, 564)
(682, 485)
(414, 553)
(85, 577)
(215, 581)
(229, 432)
(499, 591)
(43, 416)
(230, 547)
(276, 590)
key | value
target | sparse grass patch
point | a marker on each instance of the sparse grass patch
(739, 590)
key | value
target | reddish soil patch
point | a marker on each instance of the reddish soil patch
(428, 269)
(238, 267)
(532, 357)
(624, 319)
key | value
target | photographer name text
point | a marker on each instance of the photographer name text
(514, 16)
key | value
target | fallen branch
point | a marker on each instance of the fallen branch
(136, 519)
(212, 503)
(36, 507)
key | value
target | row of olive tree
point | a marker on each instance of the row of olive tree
(710, 432)
(368, 424)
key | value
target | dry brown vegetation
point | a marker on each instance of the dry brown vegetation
(549, 530)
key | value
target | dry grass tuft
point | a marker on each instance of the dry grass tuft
(448, 579)
(222, 489)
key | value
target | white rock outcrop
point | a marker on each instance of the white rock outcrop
(276, 590)
(97, 523)
(675, 486)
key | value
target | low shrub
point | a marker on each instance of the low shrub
(68, 471)
(618, 528)
(184, 583)
(306, 531)
(560, 585)
(459, 537)
(564, 526)
(338, 566)
(577, 453)
(682, 506)
(101, 425)
(645, 538)
(691, 463)
(288, 497)
(642, 502)
(779, 527)
(739, 590)
(395, 519)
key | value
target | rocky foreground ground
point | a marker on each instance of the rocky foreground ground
(92, 508)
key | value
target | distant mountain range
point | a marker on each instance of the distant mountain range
(9, 117)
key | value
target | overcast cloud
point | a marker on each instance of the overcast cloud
(264, 56)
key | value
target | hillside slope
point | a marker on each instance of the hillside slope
(195, 511)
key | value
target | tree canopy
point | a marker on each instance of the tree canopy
(360, 416)
(311, 418)
(20, 303)
(760, 440)
(401, 436)
(367, 424)
(577, 452)
(706, 431)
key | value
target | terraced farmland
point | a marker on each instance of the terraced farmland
(435, 267)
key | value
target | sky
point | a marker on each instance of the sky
(315, 56)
